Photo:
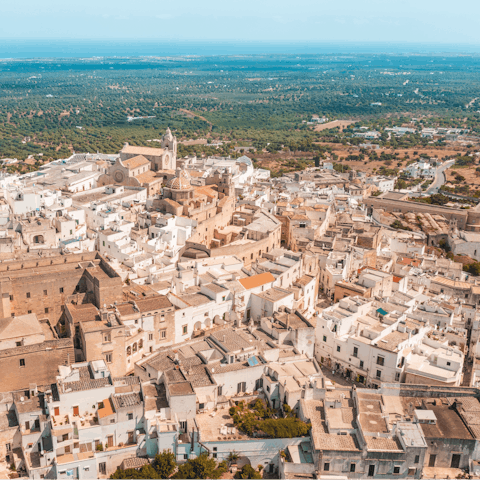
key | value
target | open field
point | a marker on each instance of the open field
(336, 123)
(472, 177)
(275, 161)
(260, 100)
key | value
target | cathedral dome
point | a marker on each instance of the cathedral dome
(179, 183)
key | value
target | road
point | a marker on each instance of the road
(439, 177)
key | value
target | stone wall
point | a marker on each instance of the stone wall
(253, 250)
(464, 218)
(205, 230)
(43, 286)
(41, 364)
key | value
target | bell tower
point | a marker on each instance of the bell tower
(225, 185)
(169, 143)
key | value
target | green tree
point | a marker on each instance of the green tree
(439, 199)
(473, 269)
(164, 464)
(201, 467)
(130, 474)
(247, 471)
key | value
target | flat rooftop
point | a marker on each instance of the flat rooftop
(212, 425)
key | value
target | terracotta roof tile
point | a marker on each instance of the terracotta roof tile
(256, 280)
(135, 162)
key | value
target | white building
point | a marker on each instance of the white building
(384, 184)
(376, 342)
(423, 169)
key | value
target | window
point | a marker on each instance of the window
(61, 289)
(45, 293)
(18, 344)
(130, 416)
(185, 456)
(64, 437)
(325, 338)
(397, 376)
(108, 357)
(46, 309)
(338, 348)
(241, 387)
(201, 406)
(352, 467)
(417, 459)
(163, 334)
(28, 294)
(185, 329)
(361, 363)
(29, 311)
(107, 337)
(355, 351)
(220, 390)
(396, 470)
(150, 336)
(379, 374)
(380, 361)
(22, 362)
(104, 243)
(326, 467)
(11, 298)
(448, 364)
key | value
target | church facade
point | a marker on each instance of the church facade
(144, 166)
(164, 158)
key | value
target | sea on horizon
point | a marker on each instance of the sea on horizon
(35, 49)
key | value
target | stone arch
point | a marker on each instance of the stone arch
(134, 348)
(197, 326)
(129, 351)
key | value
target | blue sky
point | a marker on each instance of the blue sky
(432, 21)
